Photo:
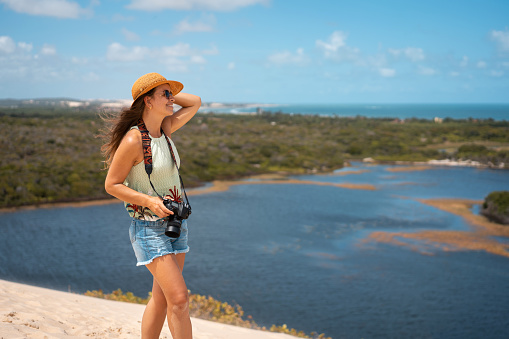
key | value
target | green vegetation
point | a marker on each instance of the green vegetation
(49, 159)
(496, 207)
(483, 154)
(53, 154)
(210, 309)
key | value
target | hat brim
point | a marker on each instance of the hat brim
(175, 87)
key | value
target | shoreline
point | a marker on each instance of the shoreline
(276, 178)
(434, 163)
(92, 202)
(216, 186)
(36, 312)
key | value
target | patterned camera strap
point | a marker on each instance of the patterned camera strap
(147, 155)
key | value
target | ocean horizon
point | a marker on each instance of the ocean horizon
(430, 111)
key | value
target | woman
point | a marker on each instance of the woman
(127, 180)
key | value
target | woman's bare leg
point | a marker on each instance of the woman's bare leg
(170, 292)
(154, 315)
(155, 312)
(181, 258)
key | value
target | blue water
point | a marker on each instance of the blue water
(400, 111)
(294, 254)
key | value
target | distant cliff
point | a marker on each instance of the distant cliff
(496, 207)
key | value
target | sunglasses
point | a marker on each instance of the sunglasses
(167, 94)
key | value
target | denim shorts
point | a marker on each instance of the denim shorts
(149, 241)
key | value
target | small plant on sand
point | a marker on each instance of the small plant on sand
(118, 295)
(209, 308)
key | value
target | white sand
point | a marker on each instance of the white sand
(34, 312)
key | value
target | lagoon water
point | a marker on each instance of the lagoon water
(294, 254)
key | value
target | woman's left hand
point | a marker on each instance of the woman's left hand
(190, 104)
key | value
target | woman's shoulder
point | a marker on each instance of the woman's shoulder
(132, 137)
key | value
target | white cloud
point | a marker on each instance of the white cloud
(79, 61)
(198, 59)
(336, 49)
(286, 57)
(91, 76)
(7, 45)
(376, 61)
(186, 26)
(212, 51)
(336, 41)
(501, 38)
(212, 5)
(411, 53)
(177, 57)
(118, 52)
(130, 36)
(206, 24)
(496, 74)
(55, 8)
(454, 74)
(120, 17)
(481, 64)
(48, 50)
(24, 64)
(426, 70)
(231, 65)
(387, 72)
(178, 50)
(24, 46)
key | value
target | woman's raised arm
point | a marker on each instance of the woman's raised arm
(190, 104)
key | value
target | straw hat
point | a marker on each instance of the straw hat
(151, 80)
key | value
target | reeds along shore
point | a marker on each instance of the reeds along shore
(482, 235)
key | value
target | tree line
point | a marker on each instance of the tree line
(52, 155)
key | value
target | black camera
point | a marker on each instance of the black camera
(174, 221)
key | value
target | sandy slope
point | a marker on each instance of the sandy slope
(34, 312)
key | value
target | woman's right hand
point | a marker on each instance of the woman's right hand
(155, 204)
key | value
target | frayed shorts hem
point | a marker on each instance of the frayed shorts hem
(149, 240)
(162, 255)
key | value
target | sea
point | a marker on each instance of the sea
(296, 254)
(396, 111)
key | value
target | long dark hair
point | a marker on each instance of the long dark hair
(118, 124)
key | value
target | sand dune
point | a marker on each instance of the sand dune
(34, 312)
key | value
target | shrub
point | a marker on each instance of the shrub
(496, 207)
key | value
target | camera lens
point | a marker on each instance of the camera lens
(173, 228)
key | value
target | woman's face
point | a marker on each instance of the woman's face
(162, 100)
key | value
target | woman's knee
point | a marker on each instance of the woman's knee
(179, 301)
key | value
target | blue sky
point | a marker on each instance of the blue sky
(262, 51)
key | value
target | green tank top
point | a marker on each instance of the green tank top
(164, 177)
